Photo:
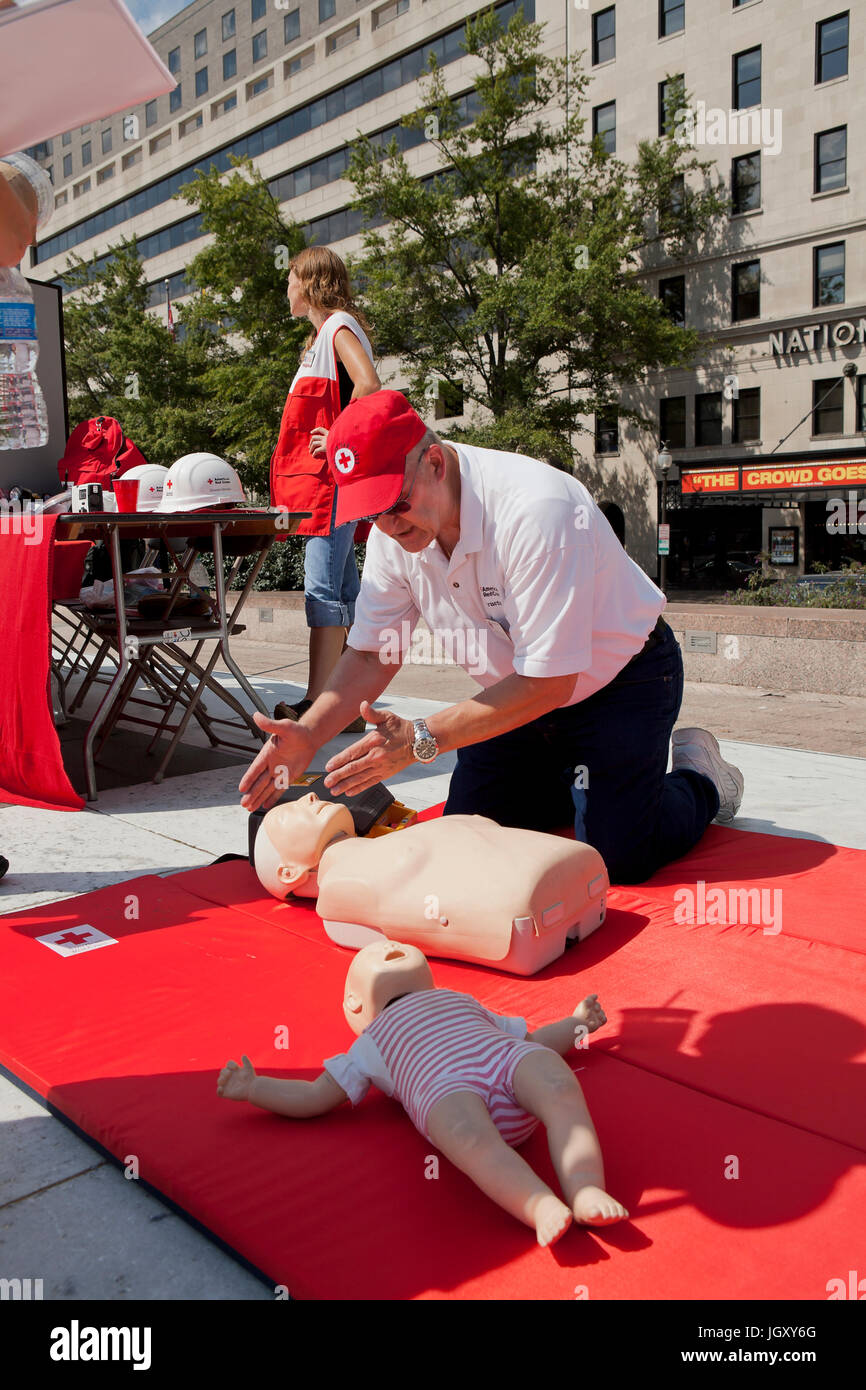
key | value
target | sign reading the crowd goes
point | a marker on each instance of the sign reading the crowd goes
(766, 478)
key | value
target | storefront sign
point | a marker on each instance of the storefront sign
(803, 475)
(815, 336)
(712, 480)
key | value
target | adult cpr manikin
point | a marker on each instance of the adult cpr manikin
(460, 886)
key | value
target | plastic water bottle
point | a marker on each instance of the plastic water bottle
(23, 418)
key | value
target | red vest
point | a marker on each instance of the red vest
(299, 481)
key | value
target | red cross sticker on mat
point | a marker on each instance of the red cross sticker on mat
(74, 941)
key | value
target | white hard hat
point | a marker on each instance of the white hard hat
(199, 481)
(150, 478)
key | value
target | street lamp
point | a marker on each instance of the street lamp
(663, 464)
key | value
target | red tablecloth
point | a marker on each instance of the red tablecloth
(31, 767)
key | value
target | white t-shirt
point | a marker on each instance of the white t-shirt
(538, 583)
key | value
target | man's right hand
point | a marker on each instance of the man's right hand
(287, 753)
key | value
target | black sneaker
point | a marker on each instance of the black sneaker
(4, 865)
(284, 711)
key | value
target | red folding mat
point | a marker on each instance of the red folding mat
(727, 1086)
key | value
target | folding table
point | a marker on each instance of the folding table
(150, 650)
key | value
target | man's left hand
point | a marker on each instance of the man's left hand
(375, 757)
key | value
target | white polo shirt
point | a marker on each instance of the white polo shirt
(538, 583)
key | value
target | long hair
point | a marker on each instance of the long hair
(325, 284)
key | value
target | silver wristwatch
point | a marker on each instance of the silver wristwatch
(425, 746)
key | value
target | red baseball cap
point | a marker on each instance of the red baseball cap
(367, 447)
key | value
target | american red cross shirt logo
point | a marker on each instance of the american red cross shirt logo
(74, 941)
(344, 460)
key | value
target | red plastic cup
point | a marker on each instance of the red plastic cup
(126, 492)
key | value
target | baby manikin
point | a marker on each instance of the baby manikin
(475, 1084)
(460, 886)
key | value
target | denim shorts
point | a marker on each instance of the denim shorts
(331, 580)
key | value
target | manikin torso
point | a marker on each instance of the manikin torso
(455, 879)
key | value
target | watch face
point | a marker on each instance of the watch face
(425, 750)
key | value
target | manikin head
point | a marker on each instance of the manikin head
(380, 973)
(292, 839)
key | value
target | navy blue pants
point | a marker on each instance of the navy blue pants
(601, 764)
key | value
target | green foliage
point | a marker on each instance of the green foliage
(517, 266)
(222, 383)
(122, 361)
(283, 569)
(768, 591)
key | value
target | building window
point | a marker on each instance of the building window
(175, 99)
(200, 43)
(190, 124)
(67, 165)
(67, 137)
(303, 60)
(260, 46)
(106, 142)
(708, 418)
(449, 402)
(261, 84)
(828, 406)
(604, 125)
(105, 174)
(174, 60)
(831, 48)
(672, 17)
(745, 291)
(160, 142)
(327, 10)
(61, 199)
(747, 78)
(672, 421)
(257, 9)
(386, 13)
(230, 64)
(604, 35)
(228, 25)
(829, 274)
(84, 129)
(86, 155)
(672, 293)
(746, 183)
(335, 42)
(150, 116)
(292, 26)
(220, 108)
(747, 416)
(861, 405)
(134, 157)
(607, 432)
(670, 95)
(201, 82)
(82, 187)
(831, 159)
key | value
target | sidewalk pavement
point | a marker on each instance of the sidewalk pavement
(67, 1215)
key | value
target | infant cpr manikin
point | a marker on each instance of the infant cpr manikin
(460, 886)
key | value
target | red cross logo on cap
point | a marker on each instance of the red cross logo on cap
(344, 460)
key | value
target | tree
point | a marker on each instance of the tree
(122, 361)
(514, 269)
(240, 314)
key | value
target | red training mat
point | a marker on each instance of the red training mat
(693, 1076)
(31, 767)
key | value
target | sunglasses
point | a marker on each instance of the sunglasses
(403, 503)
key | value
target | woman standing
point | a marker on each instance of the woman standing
(337, 367)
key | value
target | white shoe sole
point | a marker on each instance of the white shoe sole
(727, 779)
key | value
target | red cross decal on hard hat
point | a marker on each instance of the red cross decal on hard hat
(210, 480)
(168, 482)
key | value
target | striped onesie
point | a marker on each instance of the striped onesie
(431, 1043)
